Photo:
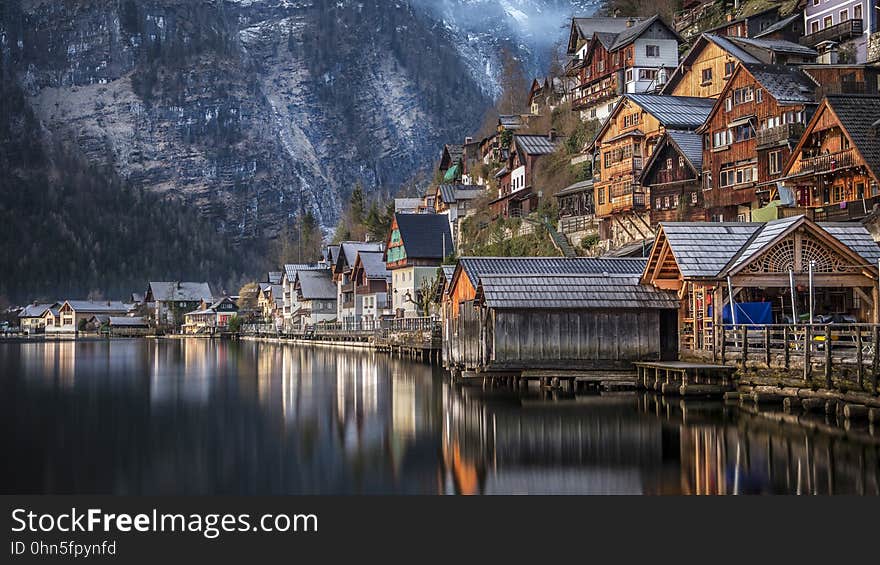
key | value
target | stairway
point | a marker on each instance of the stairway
(560, 242)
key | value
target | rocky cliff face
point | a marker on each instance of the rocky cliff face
(253, 111)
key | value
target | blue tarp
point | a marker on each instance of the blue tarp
(749, 313)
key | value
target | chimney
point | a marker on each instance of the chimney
(468, 140)
(552, 134)
(729, 18)
(828, 54)
(630, 22)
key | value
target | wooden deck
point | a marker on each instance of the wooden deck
(684, 378)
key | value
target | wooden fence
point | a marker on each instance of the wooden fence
(843, 353)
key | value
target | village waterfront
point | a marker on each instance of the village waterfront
(199, 416)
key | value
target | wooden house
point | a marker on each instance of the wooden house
(73, 314)
(211, 317)
(456, 202)
(415, 247)
(128, 326)
(672, 178)
(628, 60)
(790, 28)
(749, 25)
(623, 144)
(708, 65)
(563, 322)
(696, 259)
(758, 117)
(517, 194)
(834, 171)
(576, 209)
(844, 79)
(169, 301)
(371, 283)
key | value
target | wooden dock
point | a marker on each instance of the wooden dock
(685, 378)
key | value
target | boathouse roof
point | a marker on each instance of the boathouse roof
(571, 291)
(476, 267)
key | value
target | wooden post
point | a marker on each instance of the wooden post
(786, 353)
(808, 342)
(745, 347)
(875, 364)
(723, 344)
(767, 345)
(828, 357)
(860, 370)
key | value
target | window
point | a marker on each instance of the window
(668, 164)
(816, 2)
(743, 95)
(814, 27)
(630, 120)
(744, 132)
(592, 113)
(693, 197)
(608, 159)
(844, 15)
(857, 12)
(666, 202)
(647, 74)
(729, 66)
(722, 138)
(759, 95)
(728, 104)
(652, 50)
(827, 22)
(707, 76)
(601, 192)
(602, 65)
(775, 162)
(657, 203)
(680, 161)
(629, 75)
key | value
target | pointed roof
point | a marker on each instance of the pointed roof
(179, 291)
(699, 45)
(686, 143)
(585, 28)
(373, 265)
(316, 285)
(673, 112)
(425, 236)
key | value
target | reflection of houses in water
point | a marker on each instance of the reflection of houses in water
(52, 362)
(751, 453)
(592, 445)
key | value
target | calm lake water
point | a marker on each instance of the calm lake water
(202, 417)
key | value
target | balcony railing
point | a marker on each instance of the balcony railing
(573, 65)
(829, 162)
(779, 134)
(593, 98)
(837, 33)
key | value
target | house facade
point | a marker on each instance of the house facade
(372, 280)
(74, 314)
(748, 136)
(290, 303)
(616, 61)
(517, 194)
(316, 295)
(32, 318)
(414, 249)
(210, 318)
(169, 301)
(672, 178)
(834, 171)
(348, 308)
(846, 24)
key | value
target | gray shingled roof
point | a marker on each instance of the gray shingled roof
(588, 26)
(536, 144)
(703, 249)
(511, 121)
(350, 249)
(675, 112)
(781, 24)
(451, 193)
(34, 310)
(575, 188)
(774, 45)
(572, 292)
(291, 269)
(787, 85)
(857, 115)
(475, 267)
(690, 145)
(93, 307)
(425, 236)
(856, 237)
(316, 285)
(455, 152)
(736, 50)
(274, 277)
(630, 34)
(374, 265)
(182, 291)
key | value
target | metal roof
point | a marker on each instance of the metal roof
(475, 267)
(104, 307)
(374, 265)
(182, 291)
(781, 24)
(576, 188)
(774, 45)
(316, 285)
(536, 144)
(425, 236)
(274, 277)
(675, 112)
(452, 193)
(572, 292)
(703, 249)
(586, 27)
(35, 310)
(350, 249)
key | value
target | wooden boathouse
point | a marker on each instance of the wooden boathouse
(563, 323)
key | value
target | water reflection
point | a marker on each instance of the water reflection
(199, 416)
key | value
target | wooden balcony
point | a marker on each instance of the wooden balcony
(593, 98)
(828, 163)
(779, 134)
(836, 33)
(573, 66)
(852, 210)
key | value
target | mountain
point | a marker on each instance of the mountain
(250, 112)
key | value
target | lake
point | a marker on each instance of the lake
(196, 416)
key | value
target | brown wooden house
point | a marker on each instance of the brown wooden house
(758, 117)
(747, 26)
(517, 195)
(625, 142)
(672, 178)
(834, 171)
